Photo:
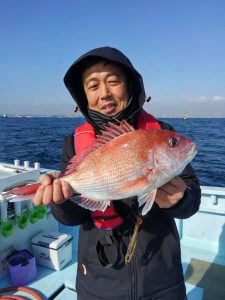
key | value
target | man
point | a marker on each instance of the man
(105, 86)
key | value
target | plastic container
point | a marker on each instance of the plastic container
(41, 211)
(33, 216)
(22, 221)
(7, 228)
(52, 249)
(21, 268)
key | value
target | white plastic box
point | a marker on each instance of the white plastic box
(52, 249)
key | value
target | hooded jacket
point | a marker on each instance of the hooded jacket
(73, 82)
(155, 271)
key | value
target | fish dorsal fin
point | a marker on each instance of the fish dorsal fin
(110, 132)
(77, 158)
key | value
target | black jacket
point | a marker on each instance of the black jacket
(155, 271)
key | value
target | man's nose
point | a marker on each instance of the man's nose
(104, 91)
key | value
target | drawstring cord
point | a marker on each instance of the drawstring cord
(133, 241)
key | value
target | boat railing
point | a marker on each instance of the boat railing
(205, 231)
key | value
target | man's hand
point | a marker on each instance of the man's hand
(52, 190)
(170, 193)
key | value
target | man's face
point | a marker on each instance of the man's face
(105, 86)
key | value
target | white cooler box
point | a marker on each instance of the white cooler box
(52, 249)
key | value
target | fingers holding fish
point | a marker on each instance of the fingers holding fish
(57, 193)
(48, 195)
(37, 200)
(52, 190)
(45, 180)
(174, 186)
(66, 189)
(61, 191)
(56, 174)
(179, 183)
(170, 193)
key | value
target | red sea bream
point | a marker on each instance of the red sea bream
(123, 163)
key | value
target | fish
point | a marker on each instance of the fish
(124, 163)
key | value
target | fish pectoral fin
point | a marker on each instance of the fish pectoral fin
(134, 186)
(90, 204)
(148, 199)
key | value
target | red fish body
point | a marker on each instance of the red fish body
(124, 162)
(128, 163)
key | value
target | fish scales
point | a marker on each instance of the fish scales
(121, 160)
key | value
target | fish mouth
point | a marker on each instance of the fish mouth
(193, 151)
(190, 154)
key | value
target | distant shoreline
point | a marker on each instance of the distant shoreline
(80, 116)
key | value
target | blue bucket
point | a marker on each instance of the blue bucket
(21, 268)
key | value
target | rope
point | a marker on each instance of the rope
(27, 290)
(133, 242)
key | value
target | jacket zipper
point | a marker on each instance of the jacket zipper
(133, 278)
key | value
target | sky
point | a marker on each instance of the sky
(177, 45)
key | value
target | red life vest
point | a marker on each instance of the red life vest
(85, 136)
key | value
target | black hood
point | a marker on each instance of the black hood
(73, 80)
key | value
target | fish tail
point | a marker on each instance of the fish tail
(21, 193)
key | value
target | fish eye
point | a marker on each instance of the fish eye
(173, 142)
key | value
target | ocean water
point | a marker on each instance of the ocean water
(40, 139)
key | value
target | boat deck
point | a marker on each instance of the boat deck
(205, 279)
(202, 243)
